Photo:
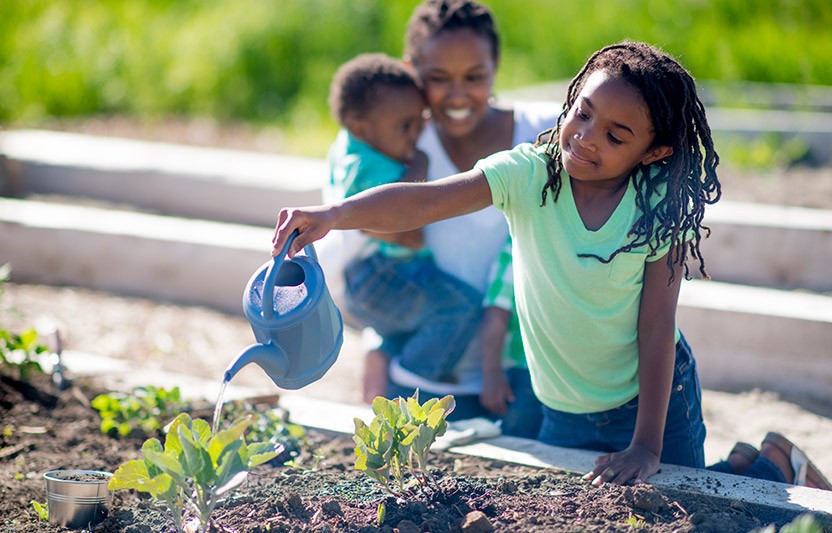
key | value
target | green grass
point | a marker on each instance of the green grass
(271, 63)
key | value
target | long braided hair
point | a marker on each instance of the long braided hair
(679, 121)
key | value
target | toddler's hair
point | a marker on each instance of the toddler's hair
(432, 17)
(356, 83)
(679, 121)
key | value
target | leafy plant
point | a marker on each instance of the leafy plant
(42, 509)
(145, 409)
(193, 470)
(268, 425)
(20, 350)
(399, 438)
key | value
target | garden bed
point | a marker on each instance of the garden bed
(44, 429)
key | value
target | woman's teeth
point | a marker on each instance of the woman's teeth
(458, 114)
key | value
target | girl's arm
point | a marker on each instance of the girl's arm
(656, 359)
(388, 208)
(417, 170)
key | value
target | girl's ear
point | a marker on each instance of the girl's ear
(656, 153)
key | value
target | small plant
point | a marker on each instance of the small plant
(399, 438)
(20, 350)
(193, 470)
(145, 409)
(268, 425)
(42, 509)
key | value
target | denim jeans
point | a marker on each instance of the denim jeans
(434, 313)
(761, 468)
(612, 430)
(522, 419)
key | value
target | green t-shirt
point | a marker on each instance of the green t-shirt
(578, 316)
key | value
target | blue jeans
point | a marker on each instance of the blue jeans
(434, 313)
(612, 430)
(761, 468)
(522, 419)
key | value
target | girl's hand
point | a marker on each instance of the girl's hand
(496, 392)
(636, 464)
(312, 223)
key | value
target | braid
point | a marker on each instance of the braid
(688, 175)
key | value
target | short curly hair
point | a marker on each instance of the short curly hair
(432, 17)
(356, 83)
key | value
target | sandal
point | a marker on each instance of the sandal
(746, 453)
(805, 472)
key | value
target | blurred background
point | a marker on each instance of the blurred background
(262, 68)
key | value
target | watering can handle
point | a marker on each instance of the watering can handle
(273, 271)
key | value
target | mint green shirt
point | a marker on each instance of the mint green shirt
(578, 316)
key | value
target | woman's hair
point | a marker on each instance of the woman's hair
(679, 121)
(356, 84)
(432, 17)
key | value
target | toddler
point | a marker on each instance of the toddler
(393, 285)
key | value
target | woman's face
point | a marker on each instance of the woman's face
(457, 68)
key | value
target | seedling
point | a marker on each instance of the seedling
(144, 410)
(42, 509)
(193, 470)
(399, 438)
(20, 350)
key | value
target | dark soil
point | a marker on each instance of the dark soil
(44, 429)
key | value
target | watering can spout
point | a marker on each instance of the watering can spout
(270, 357)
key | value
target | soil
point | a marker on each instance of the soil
(45, 429)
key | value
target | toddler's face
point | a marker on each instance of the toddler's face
(457, 68)
(394, 123)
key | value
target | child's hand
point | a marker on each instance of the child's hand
(636, 464)
(496, 392)
(312, 223)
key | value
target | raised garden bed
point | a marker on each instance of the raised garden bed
(44, 430)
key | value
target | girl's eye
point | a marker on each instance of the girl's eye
(437, 79)
(581, 114)
(614, 139)
(477, 78)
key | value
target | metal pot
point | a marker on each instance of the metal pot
(77, 498)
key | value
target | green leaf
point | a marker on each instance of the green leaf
(195, 459)
(202, 432)
(223, 439)
(263, 452)
(129, 475)
(167, 462)
(231, 463)
(42, 509)
(172, 444)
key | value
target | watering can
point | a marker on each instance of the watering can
(298, 328)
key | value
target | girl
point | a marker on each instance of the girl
(603, 213)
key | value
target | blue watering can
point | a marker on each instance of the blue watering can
(298, 328)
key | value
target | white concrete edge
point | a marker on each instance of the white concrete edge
(773, 216)
(127, 155)
(737, 298)
(694, 293)
(321, 414)
(47, 215)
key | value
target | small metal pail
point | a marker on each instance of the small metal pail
(77, 498)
